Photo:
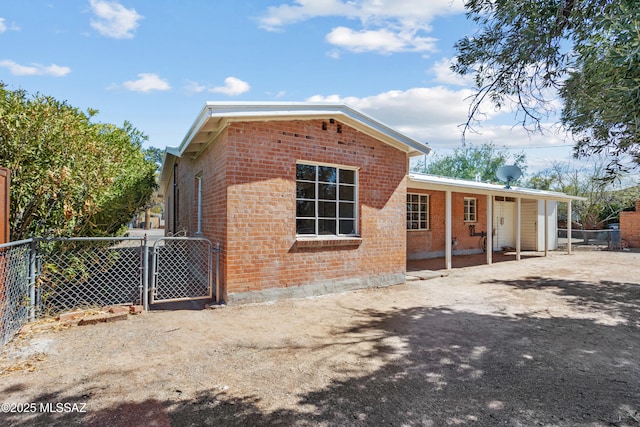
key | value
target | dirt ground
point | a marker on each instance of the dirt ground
(544, 341)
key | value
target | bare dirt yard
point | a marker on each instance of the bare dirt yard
(544, 341)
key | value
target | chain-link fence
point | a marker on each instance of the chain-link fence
(182, 269)
(609, 239)
(44, 277)
(89, 272)
(17, 269)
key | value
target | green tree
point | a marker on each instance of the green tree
(605, 199)
(155, 155)
(526, 53)
(472, 162)
(69, 176)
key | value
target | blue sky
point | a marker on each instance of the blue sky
(155, 63)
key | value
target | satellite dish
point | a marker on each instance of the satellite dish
(508, 174)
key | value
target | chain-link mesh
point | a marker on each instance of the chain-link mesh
(81, 272)
(183, 269)
(592, 239)
(96, 272)
(15, 284)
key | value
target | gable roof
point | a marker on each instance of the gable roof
(216, 116)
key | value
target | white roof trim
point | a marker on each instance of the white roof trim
(216, 116)
(433, 182)
(261, 111)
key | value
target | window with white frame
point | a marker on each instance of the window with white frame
(417, 211)
(470, 209)
(326, 200)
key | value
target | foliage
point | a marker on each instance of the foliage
(602, 95)
(69, 176)
(472, 162)
(528, 52)
(604, 201)
(154, 154)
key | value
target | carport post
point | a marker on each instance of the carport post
(569, 216)
(447, 234)
(546, 229)
(489, 229)
(518, 226)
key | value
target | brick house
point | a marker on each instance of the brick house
(630, 226)
(309, 198)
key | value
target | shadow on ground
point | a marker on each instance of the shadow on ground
(441, 367)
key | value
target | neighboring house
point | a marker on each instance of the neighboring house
(630, 226)
(307, 198)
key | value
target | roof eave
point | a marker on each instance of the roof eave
(442, 184)
(219, 114)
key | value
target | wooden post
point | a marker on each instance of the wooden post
(489, 229)
(447, 230)
(5, 177)
(546, 228)
(518, 227)
(569, 225)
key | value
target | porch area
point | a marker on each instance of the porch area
(424, 269)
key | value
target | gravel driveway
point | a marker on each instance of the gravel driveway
(544, 341)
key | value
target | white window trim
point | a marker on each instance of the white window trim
(356, 211)
(475, 209)
(426, 213)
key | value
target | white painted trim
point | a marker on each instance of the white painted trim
(356, 210)
(439, 183)
(427, 216)
(489, 229)
(448, 232)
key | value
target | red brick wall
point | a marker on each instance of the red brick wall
(431, 243)
(249, 204)
(630, 226)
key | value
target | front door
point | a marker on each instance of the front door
(504, 225)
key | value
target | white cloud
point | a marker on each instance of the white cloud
(386, 26)
(4, 27)
(34, 69)
(147, 82)
(369, 12)
(195, 87)
(434, 115)
(382, 40)
(443, 74)
(232, 86)
(114, 20)
(277, 17)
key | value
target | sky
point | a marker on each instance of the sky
(156, 63)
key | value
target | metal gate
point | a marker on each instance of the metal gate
(183, 268)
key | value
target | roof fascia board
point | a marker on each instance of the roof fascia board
(472, 187)
(167, 167)
(256, 111)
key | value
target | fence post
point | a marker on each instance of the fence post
(32, 279)
(145, 275)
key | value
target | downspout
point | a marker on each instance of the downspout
(175, 200)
